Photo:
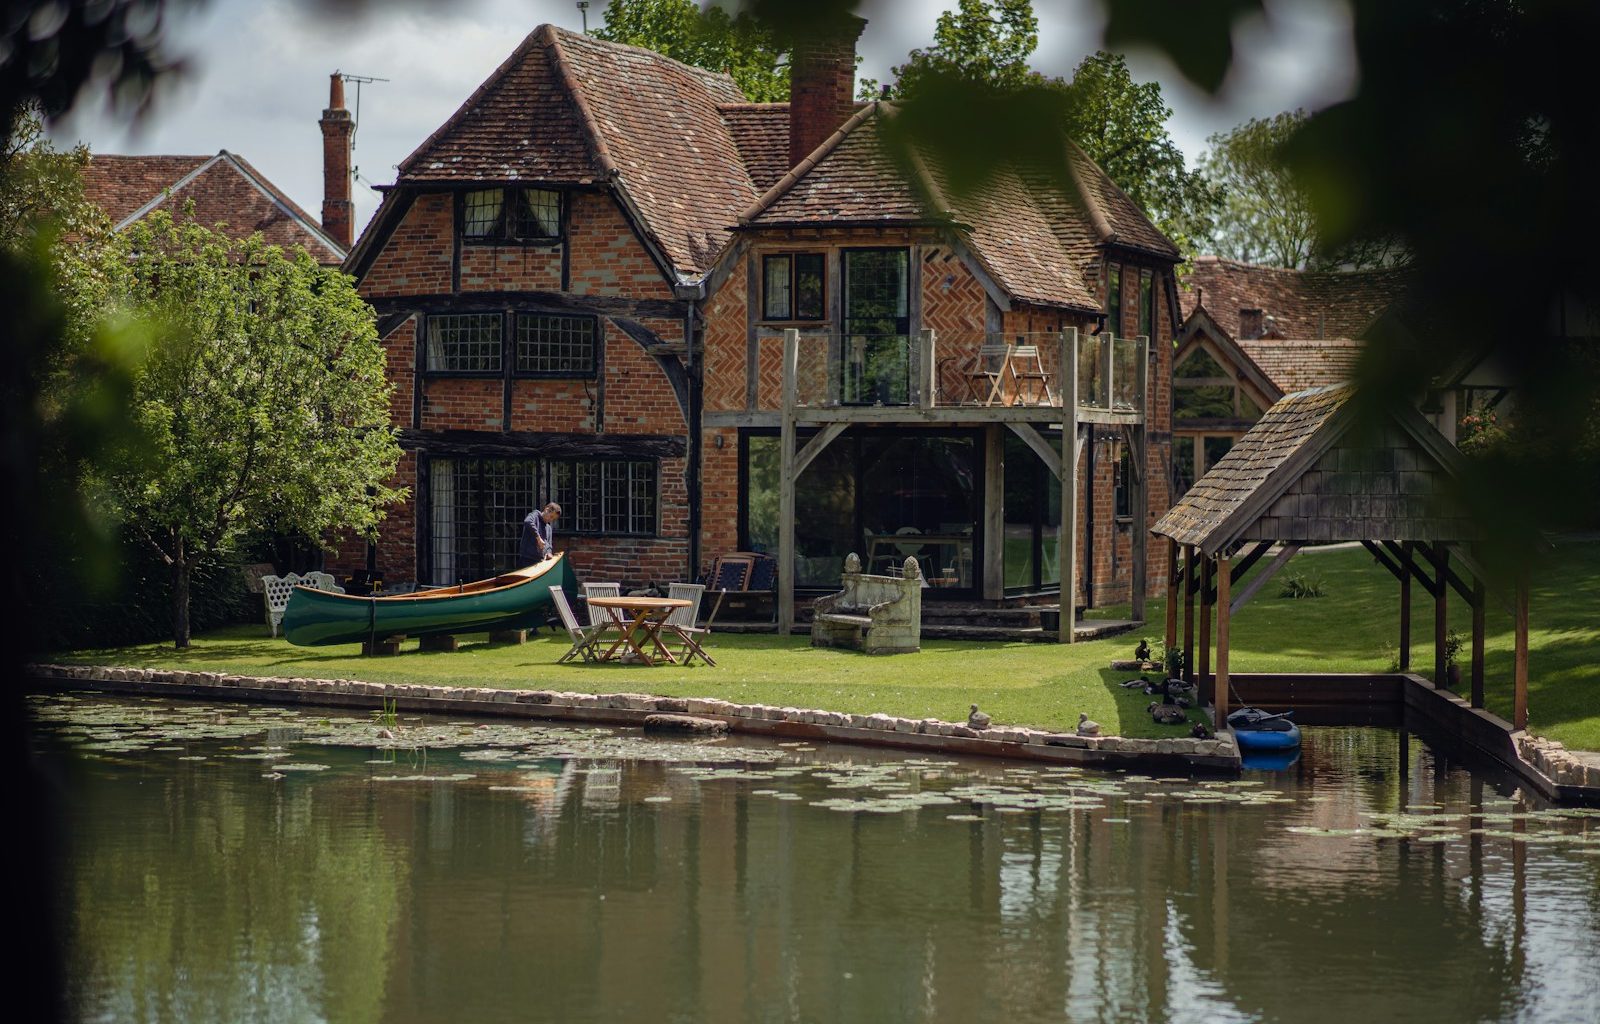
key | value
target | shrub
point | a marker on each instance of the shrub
(1301, 585)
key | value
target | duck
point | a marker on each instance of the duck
(1200, 732)
(1142, 652)
(977, 719)
(1131, 683)
(1087, 726)
(1167, 714)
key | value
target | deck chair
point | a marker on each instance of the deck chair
(583, 638)
(1027, 369)
(987, 378)
(603, 619)
(687, 634)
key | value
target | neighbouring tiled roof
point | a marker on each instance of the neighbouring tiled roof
(224, 189)
(1288, 427)
(566, 107)
(1296, 364)
(1302, 303)
(761, 131)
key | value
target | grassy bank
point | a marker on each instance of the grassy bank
(1041, 685)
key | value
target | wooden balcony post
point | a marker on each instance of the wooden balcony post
(1519, 705)
(1139, 489)
(1171, 636)
(1067, 536)
(1108, 375)
(1439, 555)
(1405, 612)
(927, 372)
(1203, 677)
(786, 481)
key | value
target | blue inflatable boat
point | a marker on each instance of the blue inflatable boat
(1255, 729)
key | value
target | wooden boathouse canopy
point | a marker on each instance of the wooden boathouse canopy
(1317, 468)
(1309, 472)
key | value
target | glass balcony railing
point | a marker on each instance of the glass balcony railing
(963, 370)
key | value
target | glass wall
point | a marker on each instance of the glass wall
(885, 494)
(1032, 518)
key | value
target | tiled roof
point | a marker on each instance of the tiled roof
(224, 189)
(569, 108)
(1038, 243)
(1301, 303)
(853, 179)
(119, 185)
(1129, 226)
(1289, 427)
(761, 131)
(1297, 364)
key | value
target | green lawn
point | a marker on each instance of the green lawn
(1043, 685)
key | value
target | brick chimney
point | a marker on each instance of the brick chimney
(338, 212)
(822, 77)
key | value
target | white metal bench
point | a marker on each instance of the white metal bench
(275, 591)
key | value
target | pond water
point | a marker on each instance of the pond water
(235, 863)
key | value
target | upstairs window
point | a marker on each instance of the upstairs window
(794, 286)
(511, 215)
(464, 342)
(557, 346)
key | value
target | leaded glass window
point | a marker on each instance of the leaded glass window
(464, 342)
(499, 215)
(548, 344)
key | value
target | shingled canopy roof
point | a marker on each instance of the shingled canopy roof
(224, 189)
(1302, 303)
(1301, 475)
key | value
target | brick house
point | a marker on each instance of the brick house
(587, 280)
(1253, 334)
(224, 188)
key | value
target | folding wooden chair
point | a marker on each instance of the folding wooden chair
(682, 620)
(604, 619)
(583, 640)
(1033, 380)
(988, 373)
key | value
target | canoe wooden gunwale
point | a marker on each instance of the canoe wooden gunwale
(515, 578)
(319, 618)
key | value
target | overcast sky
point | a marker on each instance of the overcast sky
(258, 74)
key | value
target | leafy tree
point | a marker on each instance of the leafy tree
(979, 63)
(986, 41)
(1122, 125)
(709, 38)
(262, 400)
(1268, 215)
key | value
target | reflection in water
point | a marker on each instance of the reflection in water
(555, 888)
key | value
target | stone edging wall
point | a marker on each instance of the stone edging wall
(1560, 765)
(1219, 755)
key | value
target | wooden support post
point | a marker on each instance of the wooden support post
(1171, 635)
(508, 636)
(375, 648)
(1139, 487)
(786, 443)
(438, 642)
(1477, 641)
(1405, 614)
(1189, 569)
(1224, 616)
(1067, 537)
(927, 372)
(1440, 557)
(1206, 693)
(1519, 706)
(994, 513)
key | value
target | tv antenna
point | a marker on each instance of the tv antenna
(583, 9)
(359, 80)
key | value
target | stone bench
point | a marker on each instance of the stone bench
(875, 614)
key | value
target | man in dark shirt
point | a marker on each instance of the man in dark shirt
(538, 535)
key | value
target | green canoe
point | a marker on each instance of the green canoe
(519, 599)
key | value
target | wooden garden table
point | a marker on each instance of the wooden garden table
(641, 620)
